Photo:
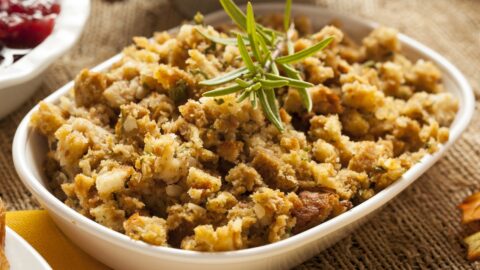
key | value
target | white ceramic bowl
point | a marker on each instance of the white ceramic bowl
(121, 252)
(20, 80)
(189, 8)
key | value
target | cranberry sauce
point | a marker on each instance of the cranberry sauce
(26, 23)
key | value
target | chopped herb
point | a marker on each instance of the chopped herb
(178, 93)
(369, 63)
(198, 18)
(379, 169)
(219, 101)
(199, 72)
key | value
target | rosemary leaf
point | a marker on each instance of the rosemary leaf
(274, 68)
(260, 34)
(219, 40)
(267, 110)
(272, 101)
(291, 82)
(288, 69)
(305, 52)
(306, 99)
(269, 38)
(243, 96)
(273, 38)
(253, 100)
(244, 54)
(236, 33)
(223, 91)
(243, 83)
(235, 13)
(248, 90)
(255, 86)
(240, 19)
(294, 74)
(264, 47)
(268, 31)
(286, 17)
(252, 32)
(304, 96)
(230, 76)
(250, 19)
(273, 83)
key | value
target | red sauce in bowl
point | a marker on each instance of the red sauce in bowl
(26, 23)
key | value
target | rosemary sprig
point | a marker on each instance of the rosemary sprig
(265, 69)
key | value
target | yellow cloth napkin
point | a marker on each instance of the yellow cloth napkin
(38, 229)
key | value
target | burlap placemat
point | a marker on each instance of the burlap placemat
(420, 228)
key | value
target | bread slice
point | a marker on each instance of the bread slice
(4, 265)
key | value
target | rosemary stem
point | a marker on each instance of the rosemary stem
(274, 55)
(288, 42)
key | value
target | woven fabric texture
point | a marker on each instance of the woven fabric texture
(421, 227)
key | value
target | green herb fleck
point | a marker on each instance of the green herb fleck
(178, 93)
(199, 72)
(379, 169)
(219, 101)
(198, 18)
(369, 63)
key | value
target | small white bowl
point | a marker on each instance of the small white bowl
(21, 255)
(22, 78)
(120, 252)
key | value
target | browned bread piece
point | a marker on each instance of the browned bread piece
(3, 259)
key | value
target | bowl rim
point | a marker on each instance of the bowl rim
(13, 239)
(68, 27)
(380, 199)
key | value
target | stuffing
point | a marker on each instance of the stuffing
(152, 230)
(109, 215)
(138, 149)
(381, 43)
(201, 184)
(224, 238)
(316, 207)
(112, 180)
(425, 76)
(243, 178)
(361, 96)
(324, 152)
(122, 92)
(48, 118)
(274, 171)
(223, 202)
(89, 87)
(328, 128)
